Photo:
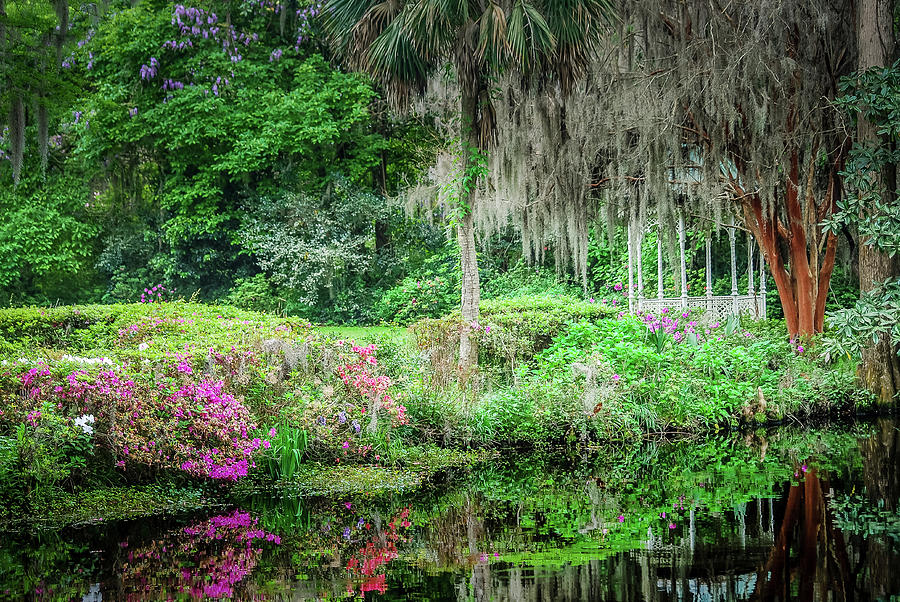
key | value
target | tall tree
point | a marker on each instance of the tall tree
(880, 368)
(402, 43)
(33, 72)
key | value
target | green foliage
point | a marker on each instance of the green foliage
(875, 211)
(430, 292)
(510, 330)
(521, 280)
(313, 246)
(47, 241)
(870, 207)
(38, 458)
(159, 177)
(255, 293)
(716, 379)
(874, 315)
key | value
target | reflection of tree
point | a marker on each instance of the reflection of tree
(881, 474)
(808, 550)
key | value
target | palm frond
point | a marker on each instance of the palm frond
(493, 43)
(529, 35)
(395, 61)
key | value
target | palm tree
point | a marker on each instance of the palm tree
(401, 43)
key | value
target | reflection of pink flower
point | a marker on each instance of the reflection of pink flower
(671, 525)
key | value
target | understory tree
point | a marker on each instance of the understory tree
(403, 43)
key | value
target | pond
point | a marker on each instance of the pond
(777, 515)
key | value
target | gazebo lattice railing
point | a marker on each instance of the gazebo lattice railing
(752, 303)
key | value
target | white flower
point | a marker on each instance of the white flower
(87, 360)
(143, 346)
(83, 422)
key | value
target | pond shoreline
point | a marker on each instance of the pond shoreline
(356, 481)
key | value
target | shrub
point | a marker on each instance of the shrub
(509, 330)
(432, 291)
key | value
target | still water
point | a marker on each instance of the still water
(788, 515)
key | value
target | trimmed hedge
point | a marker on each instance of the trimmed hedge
(78, 328)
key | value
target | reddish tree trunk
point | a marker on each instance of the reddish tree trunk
(803, 274)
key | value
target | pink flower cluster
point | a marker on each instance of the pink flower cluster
(217, 443)
(198, 428)
(357, 374)
(155, 294)
(675, 325)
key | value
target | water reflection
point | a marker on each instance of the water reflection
(789, 516)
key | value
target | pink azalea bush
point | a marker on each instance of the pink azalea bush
(196, 427)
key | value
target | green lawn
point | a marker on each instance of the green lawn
(366, 334)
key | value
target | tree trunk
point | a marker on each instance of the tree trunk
(465, 232)
(879, 371)
(803, 276)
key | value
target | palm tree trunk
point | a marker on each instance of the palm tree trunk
(465, 232)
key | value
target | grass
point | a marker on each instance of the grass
(365, 334)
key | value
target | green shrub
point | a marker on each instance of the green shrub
(432, 291)
(255, 293)
(509, 330)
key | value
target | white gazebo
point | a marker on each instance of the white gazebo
(718, 306)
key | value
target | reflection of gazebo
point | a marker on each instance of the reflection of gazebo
(719, 306)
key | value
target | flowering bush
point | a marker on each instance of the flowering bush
(198, 428)
(358, 374)
(343, 415)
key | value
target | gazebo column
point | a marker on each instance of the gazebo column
(750, 288)
(709, 301)
(732, 236)
(762, 283)
(659, 264)
(630, 270)
(681, 241)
